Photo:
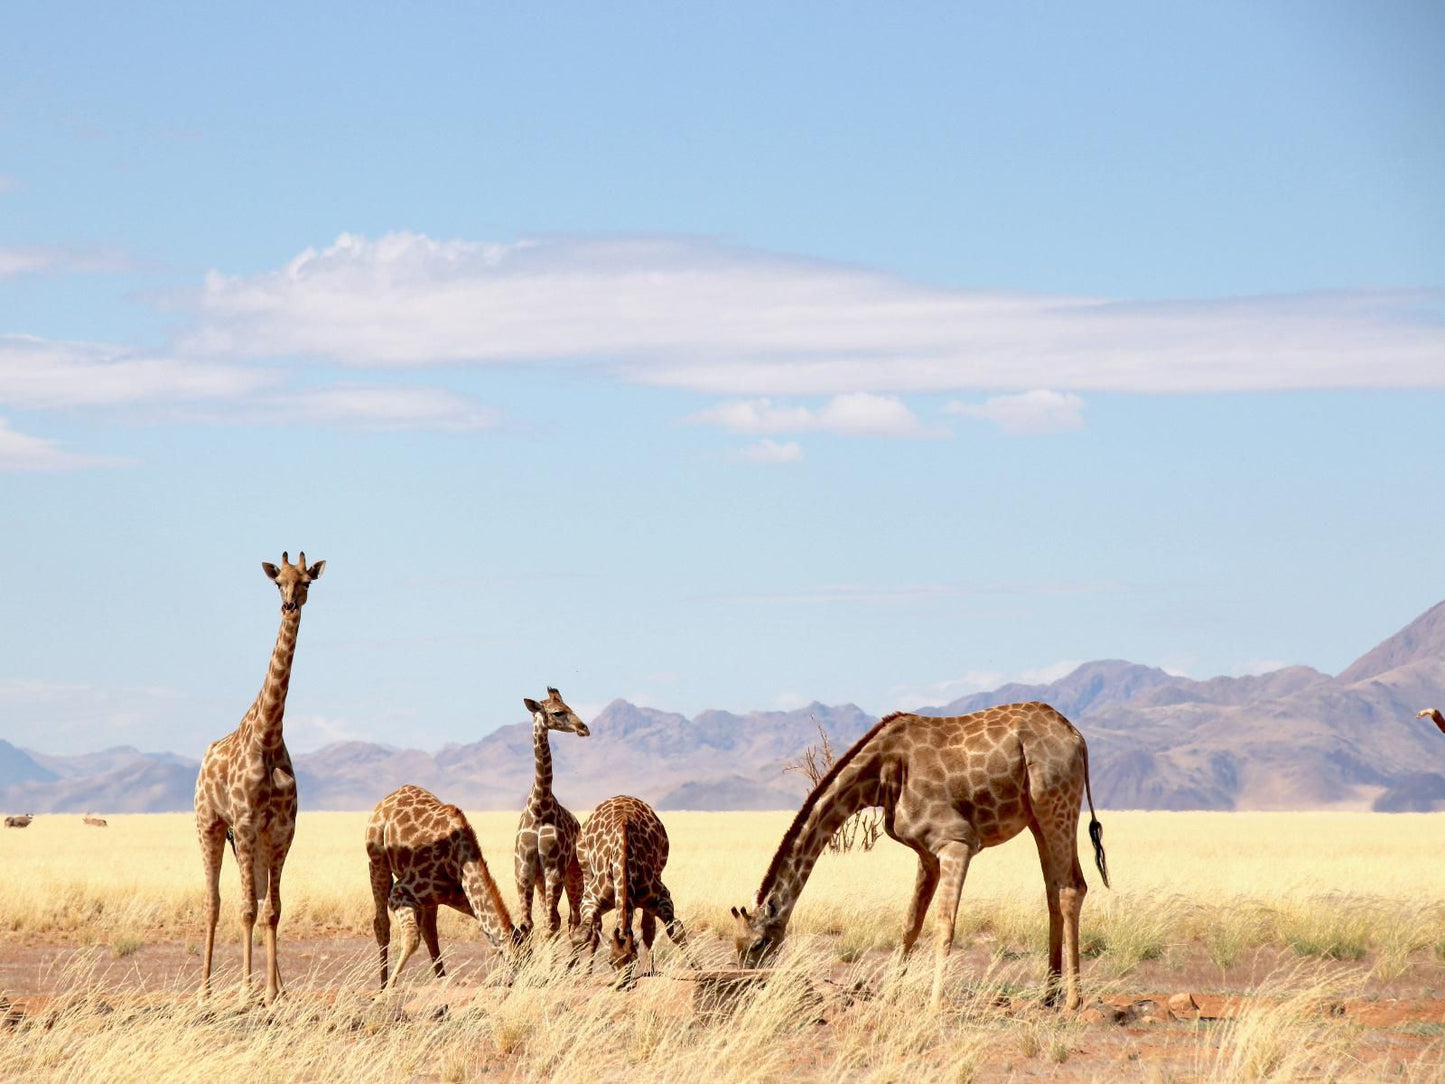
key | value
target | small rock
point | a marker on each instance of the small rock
(1102, 1013)
(1183, 1007)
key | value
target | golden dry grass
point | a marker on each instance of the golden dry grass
(1356, 899)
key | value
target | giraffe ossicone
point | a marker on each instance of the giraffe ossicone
(246, 792)
(949, 788)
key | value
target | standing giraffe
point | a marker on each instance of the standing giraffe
(433, 855)
(1433, 713)
(246, 791)
(546, 848)
(949, 787)
(622, 851)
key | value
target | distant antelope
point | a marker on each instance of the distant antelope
(95, 822)
(19, 822)
(1433, 713)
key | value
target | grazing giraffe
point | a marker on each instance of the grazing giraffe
(622, 851)
(22, 821)
(949, 787)
(423, 854)
(1433, 713)
(94, 822)
(546, 850)
(246, 791)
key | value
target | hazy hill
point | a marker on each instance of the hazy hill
(1291, 739)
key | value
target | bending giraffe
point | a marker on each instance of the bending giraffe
(949, 787)
(623, 850)
(246, 791)
(545, 853)
(1433, 713)
(423, 855)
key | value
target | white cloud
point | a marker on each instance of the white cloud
(854, 414)
(83, 707)
(1030, 412)
(695, 314)
(771, 451)
(20, 452)
(48, 374)
(9, 184)
(379, 408)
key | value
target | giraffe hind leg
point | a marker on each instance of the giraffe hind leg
(380, 891)
(953, 858)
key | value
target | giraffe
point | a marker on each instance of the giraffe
(424, 854)
(546, 849)
(622, 851)
(949, 787)
(246, 791)
(1433, 713)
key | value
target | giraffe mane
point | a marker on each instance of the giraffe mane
(796, 828)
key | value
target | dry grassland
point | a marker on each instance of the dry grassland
(1327, 930)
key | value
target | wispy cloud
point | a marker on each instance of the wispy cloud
(379, 408)
(44, 374)
(55, 259)
(9, 184)
(48, 374)
(908, 593)
(1028, 413)
(695, 314)
(770, 451)
(20, 452)
(854, 414)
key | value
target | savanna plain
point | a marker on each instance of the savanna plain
(1233, 946)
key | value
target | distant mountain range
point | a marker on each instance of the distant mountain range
(1291, 739)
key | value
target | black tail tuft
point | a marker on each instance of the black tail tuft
(1096, 837)
(231, 839)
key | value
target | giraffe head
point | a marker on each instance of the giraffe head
(759, 934)
(293, 580)
(554, 714)
(623, 948)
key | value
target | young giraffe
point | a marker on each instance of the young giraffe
(546, 848)
(622, 851)
(246, 791)
(1433, 713)
(949, 788)
(423, 854)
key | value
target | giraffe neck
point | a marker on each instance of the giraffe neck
(853, 784)
(624, 905)
(486, 899)
(270, 706)
(542, 748)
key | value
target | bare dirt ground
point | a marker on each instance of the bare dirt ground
(1163, 1021)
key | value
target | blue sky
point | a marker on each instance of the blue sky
(708, 360)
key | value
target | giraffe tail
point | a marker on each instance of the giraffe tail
(231, 839)
(1096, 830)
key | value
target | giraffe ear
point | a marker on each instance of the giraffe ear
(314, 572)
(532, 705)
(271, 570)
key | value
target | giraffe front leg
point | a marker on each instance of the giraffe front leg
(953, 860)
(661, 905)
(271, 922)
(553, 888)
(246, 859)
(923, 889)
(428, 917)
(405, 907)
(573, 882)
(213, 847)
